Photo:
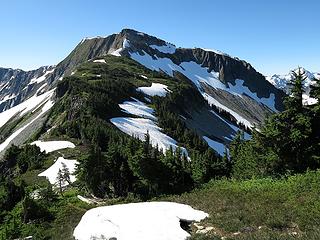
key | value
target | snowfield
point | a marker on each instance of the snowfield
(156, 89)
(51, 146)
(52, 172)
(137, 221)
(138, 127)
(138, 108)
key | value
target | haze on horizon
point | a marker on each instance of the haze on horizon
(273, 36)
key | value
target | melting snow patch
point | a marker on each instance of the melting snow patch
(117, 53)
(143, 221)
(138, 127)
(239, 118)
(40, 79)
(143, 76)
(86, 200)
(51, 146)
(52, 172)
(235, 128)
(156, 89)
(240, 89)
(137, 108)
(217, 146)
(167, 48)
(99, 61)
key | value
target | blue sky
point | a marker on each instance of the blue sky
(274, 35)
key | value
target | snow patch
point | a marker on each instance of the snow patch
(156, 89)
(143, 76)
(239, 118)
(240, 89)
(99, 61)
(143, 221)
(220, 148)
(167, 48)
(42, 78)
(8, 97)
(52, 172)
(139, 127)
(117, 53)
(216, 51)
(86, 200)
(235, 128)
(137, 108)
(307, 100)
(51, 146)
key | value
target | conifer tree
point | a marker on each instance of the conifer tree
(60, 181)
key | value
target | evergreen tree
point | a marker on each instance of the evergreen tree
(60, 181)
(65, 173)
(294, 101)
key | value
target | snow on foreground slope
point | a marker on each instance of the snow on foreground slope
(143, 221)
(52, 172)
(139, 127)
(51, 146)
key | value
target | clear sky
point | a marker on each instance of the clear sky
(273, 35)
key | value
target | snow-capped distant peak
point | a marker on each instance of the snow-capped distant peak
(281, 82)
